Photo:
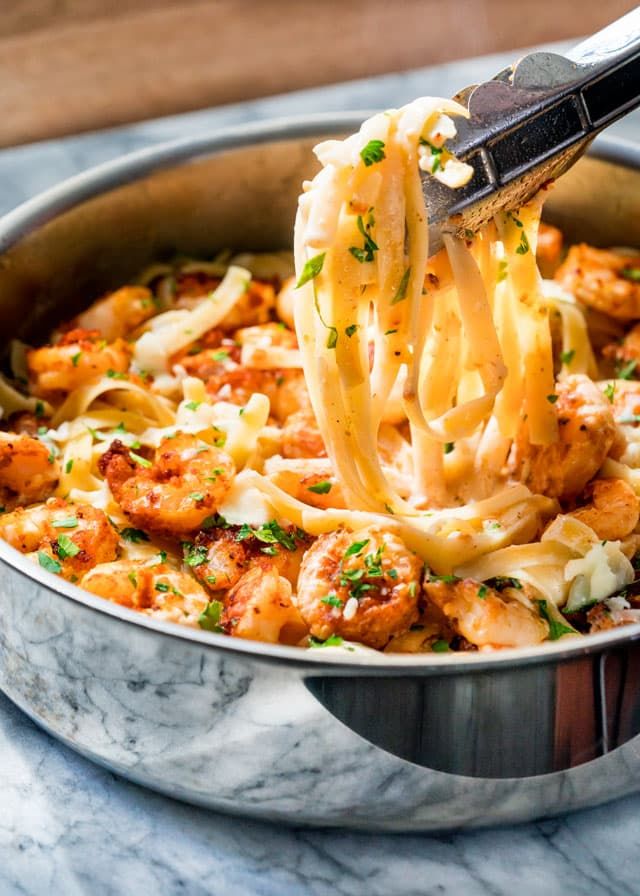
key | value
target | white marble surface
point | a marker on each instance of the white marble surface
(69, 827)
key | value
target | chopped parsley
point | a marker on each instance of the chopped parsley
(351, 329)
(117, 375)
(503, 269)
(211, 580)
(39, 412)
(196, 496)
(367, 253)
(311, 269)
(440, 646)
(133, 578)
(610, 391)
(552, 398)
(356, 547)
(270, 533)
(401, 292)
(141, 461)
(331, 641)
(448, 447)
(134, 535)
(66, 547)
(48, 563)
(567, 357)
(502, 582)
(523, 246)
(75, 358)
(161, 586)
(627, 371)
(209, 619)
(331, 600)
(556, 628)
(483, 591)
(373, 152)
(321, 488)
(193, 405)
(69, 522)
(68, 466)
(390, 332)
(194, 555)
(631, 273)
(221, 355)
(413, 588)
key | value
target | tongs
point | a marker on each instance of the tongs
(532, 121)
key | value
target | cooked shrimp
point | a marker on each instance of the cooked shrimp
(362, 586)
(220, 557)
(173, 494)
(301, 436)
(75, 537)
(627, 350)
(119, 312)
(158, 590)
(259, 607)
(603, 279)
(549, 249)
(24, 422)
(271, 335)
(612, 510)
(626, 402)
(486, 616)
(586, 433)
(28, 470)
(81, 355)
(253, 308)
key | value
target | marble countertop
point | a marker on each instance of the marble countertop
(69, 827)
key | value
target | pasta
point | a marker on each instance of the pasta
(387, 450)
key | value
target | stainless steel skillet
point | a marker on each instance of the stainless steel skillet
(309, 737)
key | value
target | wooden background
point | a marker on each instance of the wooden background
(74, 65)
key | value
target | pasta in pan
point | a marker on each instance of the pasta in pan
(388, 450)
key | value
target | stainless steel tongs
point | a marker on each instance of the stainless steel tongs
(532, 121)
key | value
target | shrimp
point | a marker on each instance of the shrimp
(254, 307)
(80, 355)
(156, 590)
(301, 436)
(72, 537)
(28, 470)
(549, 249)
(227, 380)
(220, 557)
(119, 312)
(173, 494)
(627, 350)
(612, 510)
(603, 279)
(586, 433)
(362, 586)
(259, 607)
(486, 616)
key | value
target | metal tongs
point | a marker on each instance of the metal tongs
(532, 122)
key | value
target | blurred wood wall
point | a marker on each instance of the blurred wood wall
(74, 65)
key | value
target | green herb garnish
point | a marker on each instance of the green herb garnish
(209, 619)
(320, 488)
(134, 535)
(556, 628)
(401, 292)
(48, 563)
(67, 547)
(373, 152)
(311, 269)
